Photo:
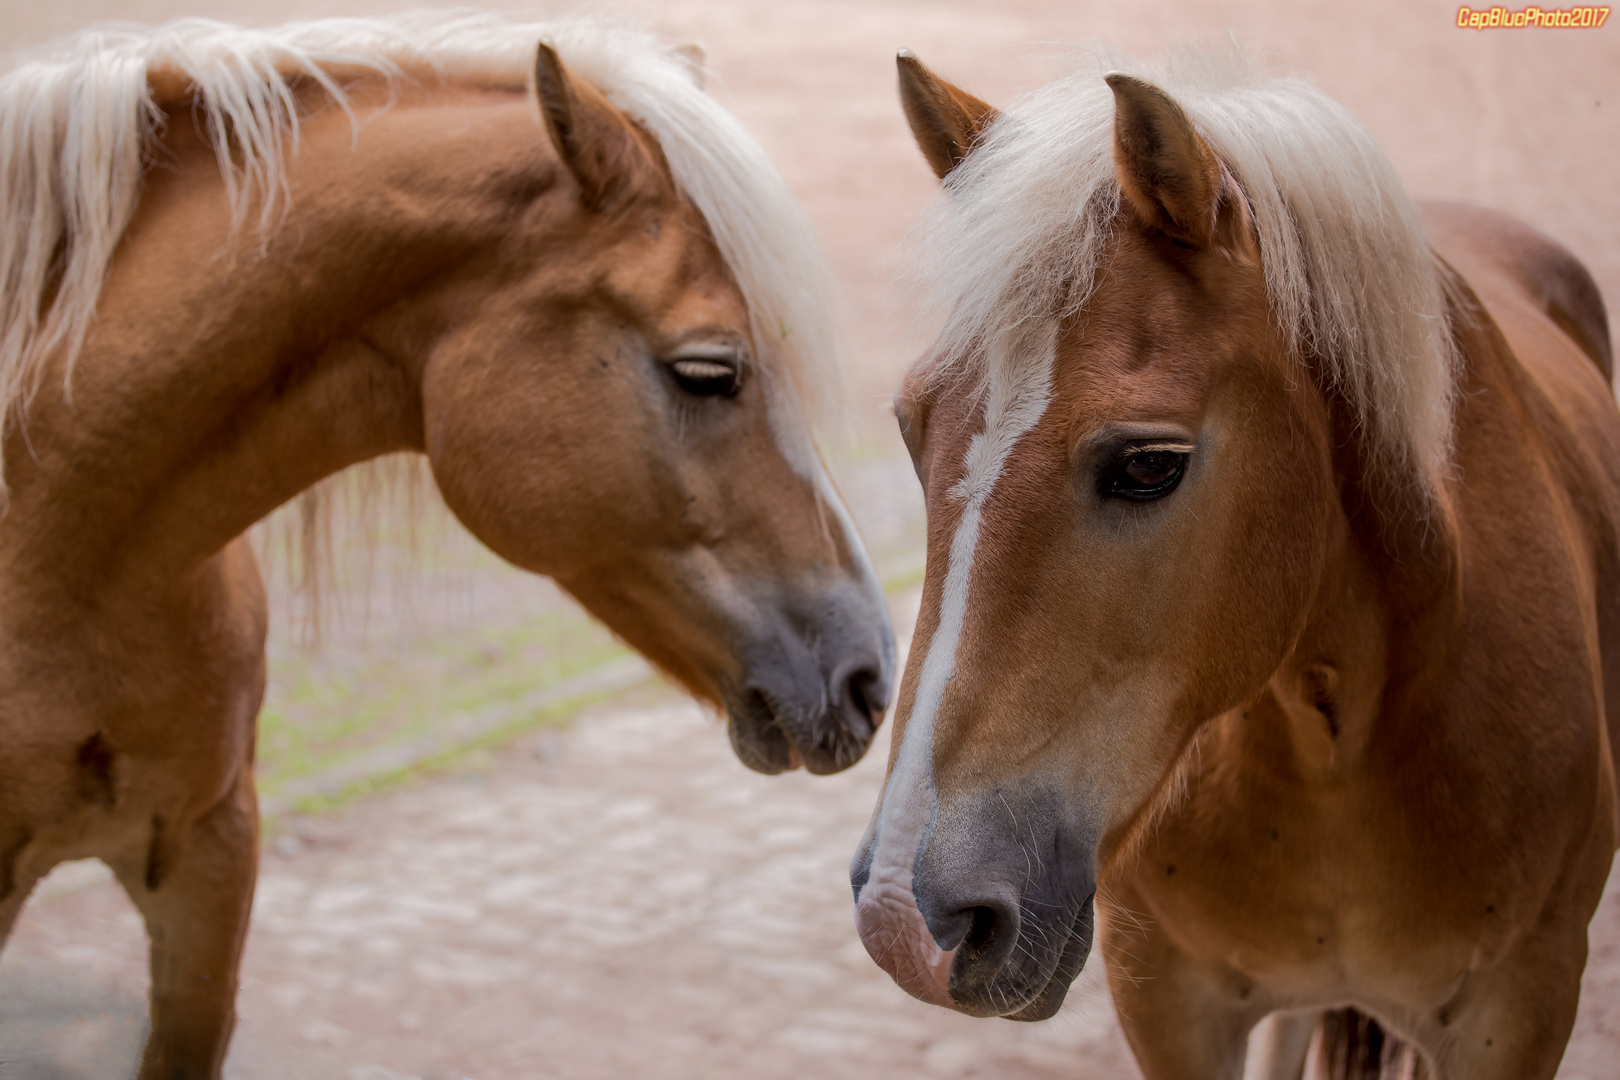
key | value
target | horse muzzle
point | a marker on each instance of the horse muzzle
(985, 920)
(814, 687)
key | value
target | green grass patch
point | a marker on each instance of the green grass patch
(457, 756)
(321, 712)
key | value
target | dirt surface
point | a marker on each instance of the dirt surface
(621, 898)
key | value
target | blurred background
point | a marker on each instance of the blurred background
(497, 846)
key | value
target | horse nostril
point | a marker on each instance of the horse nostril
(981, 935)
(864, 690)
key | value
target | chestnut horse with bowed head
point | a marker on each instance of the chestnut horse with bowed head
(1271, 624)
(235, 262)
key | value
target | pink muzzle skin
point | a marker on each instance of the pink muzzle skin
(897, 937)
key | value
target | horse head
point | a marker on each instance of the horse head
(1129, 487)
(616, 415)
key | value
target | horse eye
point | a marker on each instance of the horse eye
(705, 378)
(1144, 474)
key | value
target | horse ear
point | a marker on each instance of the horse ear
(591, 136)
(1170, 176)
(945, 121)
(691, 54)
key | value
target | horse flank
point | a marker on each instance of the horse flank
(1024, 221)
(78, 122)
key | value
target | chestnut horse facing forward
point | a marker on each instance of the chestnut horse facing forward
(595, 316)
(1273, 592)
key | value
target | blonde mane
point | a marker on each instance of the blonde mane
(78, 120)
(1019, 231)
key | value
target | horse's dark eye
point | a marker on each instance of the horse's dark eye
(1144, 474)
(705, 378)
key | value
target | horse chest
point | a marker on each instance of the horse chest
(1305, 901)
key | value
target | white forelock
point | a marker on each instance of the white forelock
(77, 118)
(1020, 228)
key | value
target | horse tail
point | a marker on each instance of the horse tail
(1353, 1046)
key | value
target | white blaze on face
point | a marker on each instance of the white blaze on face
(892, 928)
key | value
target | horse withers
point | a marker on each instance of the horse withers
(1271, 624)
(235, 262)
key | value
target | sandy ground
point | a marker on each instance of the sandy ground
(622, 898)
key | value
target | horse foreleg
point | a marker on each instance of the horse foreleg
(196, 908)
(1281, 1044)
(1514, 1023)
(1181, 1021)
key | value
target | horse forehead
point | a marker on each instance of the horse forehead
(1104, 379)
(677, 220)
(695, 292)
(951, 410)
(1152, 350)
(664, 263)
(1155, 295)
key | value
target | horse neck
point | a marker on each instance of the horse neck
(1380, 636)
(228, 370)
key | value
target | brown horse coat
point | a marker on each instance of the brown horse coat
(1315, 703)
(532, 298)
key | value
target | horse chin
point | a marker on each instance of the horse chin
(769, 737)
(757, 736)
